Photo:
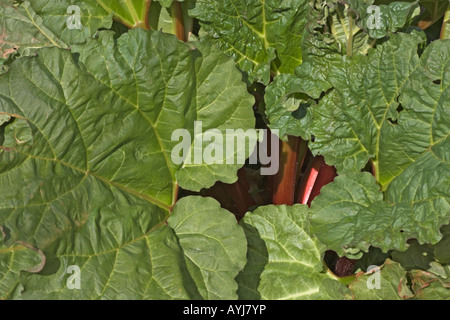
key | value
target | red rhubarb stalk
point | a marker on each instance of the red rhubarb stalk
(234, 197)
(177, 12)
(317, 175)
(284, 181)
(239, 192)
(309, 179)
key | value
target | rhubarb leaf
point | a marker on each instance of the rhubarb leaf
(23, 31)
(334, 290)
(335, 211)
(433, 284)
(262, 36)
(388, 282)
(364, 119)
(350, 215)
(163, 262)
(402, 122)
(287, 109)
(72, 21)
(15, 259)
(89, 145)
(380, 20)
(288, 98)
(284, 257)
(442, 249)
(221, 238)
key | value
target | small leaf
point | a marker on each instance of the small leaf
(15, 259)
(389, 282)
(380, 20)
(430, 286)
(284, 257)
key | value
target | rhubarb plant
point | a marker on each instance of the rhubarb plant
(136, 139)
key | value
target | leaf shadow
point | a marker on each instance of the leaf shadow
(257, 258)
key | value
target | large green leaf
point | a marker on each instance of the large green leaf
(284, 257)
(334, 290)
(375, 117)
(401, 121)
(86, 173)
(350, 214)
(262, 36)
(141, 261)
(376, 101)
(336, 211)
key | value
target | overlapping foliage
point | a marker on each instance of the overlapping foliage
(86, 122)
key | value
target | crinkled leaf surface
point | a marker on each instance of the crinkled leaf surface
(13, 260)
(359, 117)
(432, 284)
(93, 15)
(401, 120)
(284, 257)
(262, 36)
(375, 102)
(389, 282)
(86, 172)
(287, 109)
(380, 20)
(23, 31)
(141, 261)
(350, 214)
(58, 15)
(214, 251)
(288, 98)
(392, 282)
(43, 23)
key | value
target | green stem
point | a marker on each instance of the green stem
(445, 23)
(350, 35)
(177, 14)
(132, 11)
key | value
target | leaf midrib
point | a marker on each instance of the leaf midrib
(100, 178)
